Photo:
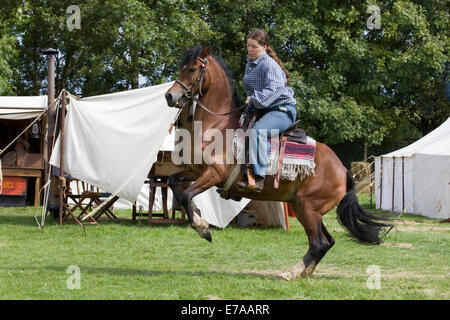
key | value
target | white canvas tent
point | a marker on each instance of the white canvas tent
(416, 179)
(19, 108)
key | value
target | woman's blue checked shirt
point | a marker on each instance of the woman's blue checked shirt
(265, 83)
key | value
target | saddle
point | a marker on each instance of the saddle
(292, 133)
(295, 134)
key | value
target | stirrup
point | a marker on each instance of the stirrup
(248, 185)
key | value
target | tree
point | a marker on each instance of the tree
(120, 45)
(8, 52)
(353, 84)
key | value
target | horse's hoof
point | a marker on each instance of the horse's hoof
(208, 236)
(203, 233)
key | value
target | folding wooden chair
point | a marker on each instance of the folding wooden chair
(85, 199)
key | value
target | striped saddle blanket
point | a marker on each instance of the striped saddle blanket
(298, 159)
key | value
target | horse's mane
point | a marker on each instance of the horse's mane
(191, 54)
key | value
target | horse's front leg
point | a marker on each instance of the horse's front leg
(208, 178)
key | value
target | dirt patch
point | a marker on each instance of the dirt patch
(398, 245)
(429, 292)
(412, 229)
(211, 297)
(398, 274)
(411, 275)
(420, 226)
(326, 271)
(416, 223)
(265, 273)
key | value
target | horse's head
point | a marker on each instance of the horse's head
(191, 78)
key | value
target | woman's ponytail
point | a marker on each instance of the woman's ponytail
(274, 56)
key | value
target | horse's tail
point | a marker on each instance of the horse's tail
(362, 225)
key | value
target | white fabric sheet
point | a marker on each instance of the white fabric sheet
(18, 108)
(216, 210)
(113, 139)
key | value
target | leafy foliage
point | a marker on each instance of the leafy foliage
(352, 83)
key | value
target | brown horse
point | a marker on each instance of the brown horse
(204, 75)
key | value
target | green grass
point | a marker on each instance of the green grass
(128, 260)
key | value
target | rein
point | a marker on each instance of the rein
(189, 96)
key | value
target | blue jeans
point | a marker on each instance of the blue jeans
(270, 124)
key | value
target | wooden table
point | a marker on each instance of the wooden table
(26, 172)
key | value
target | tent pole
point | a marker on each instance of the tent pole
(51, 120)
(61, 156)
(393, 182)
(381, 181)
(403, 183)
(371, 183)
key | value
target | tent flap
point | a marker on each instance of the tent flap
(18, 108)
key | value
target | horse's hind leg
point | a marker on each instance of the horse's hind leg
(319, 239)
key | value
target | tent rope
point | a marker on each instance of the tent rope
(365, 168)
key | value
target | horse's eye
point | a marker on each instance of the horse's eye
(192, 69)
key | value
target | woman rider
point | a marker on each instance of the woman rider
(265, 81)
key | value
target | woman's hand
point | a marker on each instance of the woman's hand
(247, 101)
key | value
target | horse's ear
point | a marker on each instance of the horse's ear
(205, 52)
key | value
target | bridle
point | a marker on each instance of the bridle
(188, 93)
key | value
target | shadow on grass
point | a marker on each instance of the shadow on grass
(125, 222)
(20, 221)
(28, 220)
(127, 272)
